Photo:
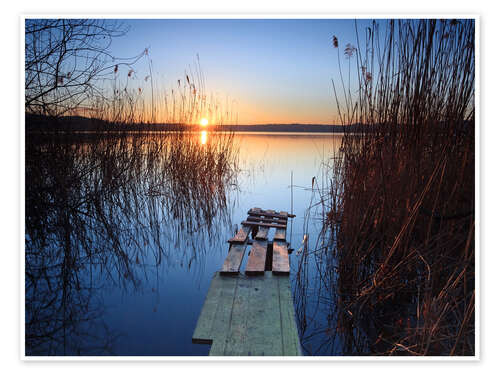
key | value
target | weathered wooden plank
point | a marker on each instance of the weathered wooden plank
(268, 213)
(222, 319)
(237, 342)
(203, 331)
(290, 334)
(217, 348)
(280, 234)
(264, 224)
(257, 260)
(263, 321)
(265, 220)
(242, 234)
(287, 214)
(232, 263)
(281, 263)
(262, 233)
(249, 316)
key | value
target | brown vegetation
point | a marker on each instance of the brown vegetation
(111, 207)
(402, 195)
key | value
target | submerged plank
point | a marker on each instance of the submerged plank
(232, 263)
(281, 263)
(242, 234)
(290, 335)
(262, 233)
(257, 260)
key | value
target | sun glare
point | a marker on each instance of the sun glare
(203, 122)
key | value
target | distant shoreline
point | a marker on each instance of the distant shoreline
(286, 128)
(79, 124)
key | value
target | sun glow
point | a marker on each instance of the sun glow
(203, 122)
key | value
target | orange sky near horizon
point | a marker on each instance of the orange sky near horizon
(270, 71)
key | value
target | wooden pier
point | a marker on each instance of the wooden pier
(252, 314)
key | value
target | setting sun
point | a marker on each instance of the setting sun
(203, 122)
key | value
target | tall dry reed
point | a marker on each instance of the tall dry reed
(401, 205)
(106, 209)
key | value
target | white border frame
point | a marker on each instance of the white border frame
(263, 15)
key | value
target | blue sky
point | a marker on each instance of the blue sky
(275, 70)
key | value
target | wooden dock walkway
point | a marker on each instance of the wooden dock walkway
(252, 314)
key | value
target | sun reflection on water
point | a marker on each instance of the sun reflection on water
(203, 136)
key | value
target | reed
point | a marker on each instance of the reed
(132, 99)
(401, 200)
(105, 206)
(109, 209)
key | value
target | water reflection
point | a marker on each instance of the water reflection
(273, 157)
(115, 212)
(105, 210)
(203, 137)
(315, 295)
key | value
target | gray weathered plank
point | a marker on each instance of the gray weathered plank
(237, 341)
(281, 263)
(263, 321)
(203, 331)
(290, 335)
(257, 261)
(280, 234)
(222, 320)
(242, 234)
(262, 233)
(232, 263)
(249, 316)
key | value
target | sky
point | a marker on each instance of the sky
(269, 70)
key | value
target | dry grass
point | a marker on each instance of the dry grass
(402, 195)
(111, 209)
(132, 99)
(110, 205)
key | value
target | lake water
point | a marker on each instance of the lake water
(129, 250)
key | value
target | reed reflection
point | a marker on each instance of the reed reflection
(104, 210)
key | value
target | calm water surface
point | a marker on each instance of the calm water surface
(129, 249)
